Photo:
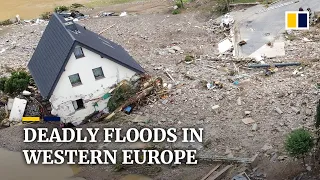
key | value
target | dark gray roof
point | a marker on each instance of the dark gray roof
(56, 46)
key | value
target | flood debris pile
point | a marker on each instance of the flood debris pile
(20, 97)
(134, 93)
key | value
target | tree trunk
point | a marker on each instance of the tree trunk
(182, 6)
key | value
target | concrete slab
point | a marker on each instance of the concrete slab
(276, 50)
(17, 111)
(224, 46)
(10, 103)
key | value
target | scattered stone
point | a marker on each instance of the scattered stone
(26, 93)
(176, 48)
(215, 107)
(140, 119)
(171, 51)
(274, 157)
(255, 127)
(282, 158)
(248, 120)
(309, 168)
(278, 110)
(179, 91)
(247, 113)
(266, 147)
(308, 112)
(296, 110)
(239, 101)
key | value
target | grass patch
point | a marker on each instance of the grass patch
(176, 11)
(45, 15)
(76, 5)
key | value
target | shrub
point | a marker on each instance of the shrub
(176, 11)
(189, 58)
(61, 9)
(179, 4)
(45, 15)
(120, 95)
(222, 6)
(298, 143)
(6, 22)
(17, 82)
(2, 82)
(76, 5)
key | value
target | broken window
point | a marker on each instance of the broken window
(78, 53)
(98, 73)
(78, 104)
(75, 79)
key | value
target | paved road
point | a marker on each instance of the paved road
(257, 25)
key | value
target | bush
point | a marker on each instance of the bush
(16, 83)
(299, 143)
(188, 58)
(120, 95)
(61, 9)
(176, 11)
(6, 22)
(45, 15)
(179, 4)
(2, 82)
(76, 5)
(222, 6)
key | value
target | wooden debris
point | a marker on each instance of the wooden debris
(220, 173)
(106, 29)
(229, 159)
(169, 76)
(132, 100)
(214, 169)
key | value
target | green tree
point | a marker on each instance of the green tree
(16, 83)
(298, 143)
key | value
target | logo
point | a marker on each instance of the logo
(37, 119)
(297, 20)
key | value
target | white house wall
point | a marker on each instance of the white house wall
(64, 93)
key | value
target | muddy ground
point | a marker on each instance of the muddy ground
(148, 37)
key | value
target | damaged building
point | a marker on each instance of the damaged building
(75, 68)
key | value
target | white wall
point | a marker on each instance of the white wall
(64, 93)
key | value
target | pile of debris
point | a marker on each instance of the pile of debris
(27, 104)
(139, 91)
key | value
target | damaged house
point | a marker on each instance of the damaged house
(75, 68)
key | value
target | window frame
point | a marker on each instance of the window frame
(98, 77)
(78, 56)
(76, 102)
(77, 83)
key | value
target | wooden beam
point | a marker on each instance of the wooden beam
(214, 169)
(220, 173)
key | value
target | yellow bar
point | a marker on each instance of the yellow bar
(30, 119)
(292, 20)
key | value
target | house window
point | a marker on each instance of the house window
(78, 53)
(78, 104)
(98, 73)
(75, 80)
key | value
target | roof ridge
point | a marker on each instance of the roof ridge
(64, 27)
